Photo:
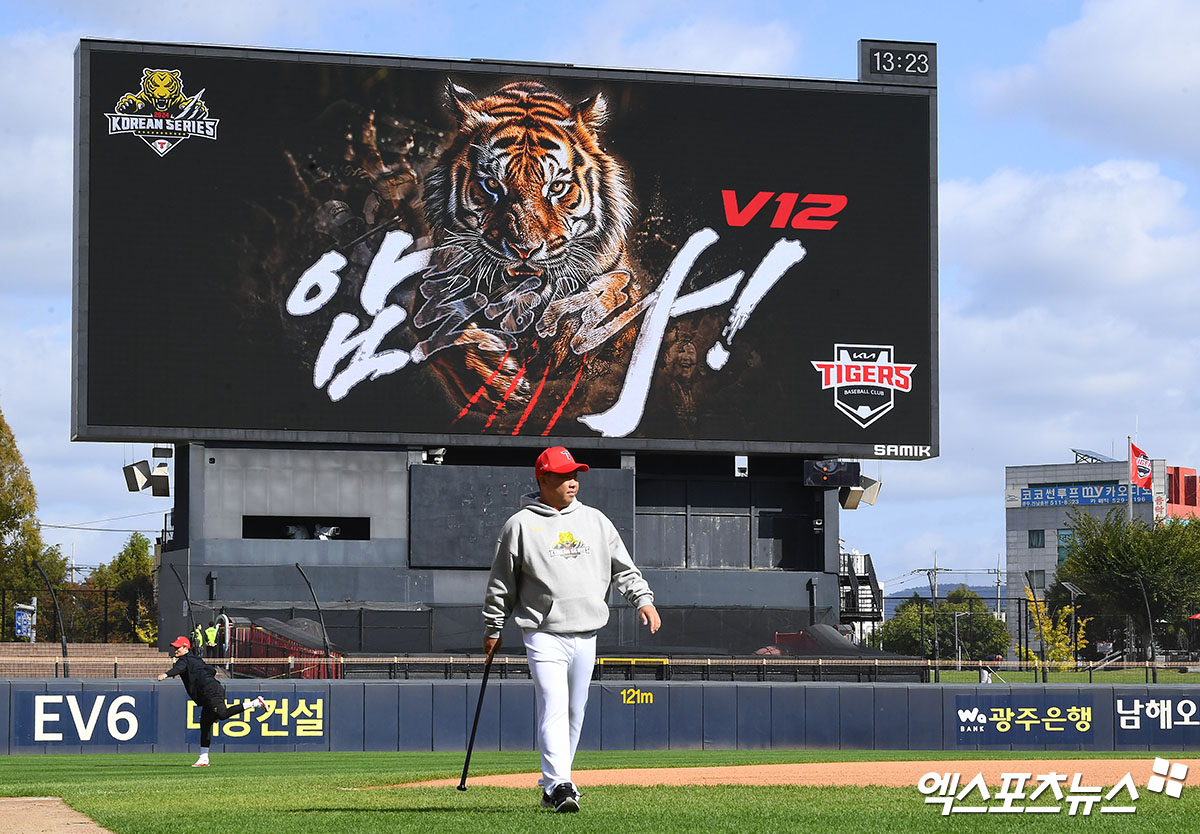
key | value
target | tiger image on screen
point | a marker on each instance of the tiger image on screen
(162, 94)
(527, 311)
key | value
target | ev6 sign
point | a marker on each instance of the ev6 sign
(85, 717)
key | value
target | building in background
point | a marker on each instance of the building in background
(1038, 498)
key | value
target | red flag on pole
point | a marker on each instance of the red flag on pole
(1139, 467)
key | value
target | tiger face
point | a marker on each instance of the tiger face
(161, 92)
(162, 88)
(527, 192)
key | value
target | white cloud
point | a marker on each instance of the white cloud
(1076, 312)
(1123, 75)
(35, 216)
(663, 36)
(1070, 323)
(36, 96)
(192, 21)
(36, 84)
(75, 482)
(719, 45)
(1093, 239)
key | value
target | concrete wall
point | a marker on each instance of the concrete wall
(729, 549)
(298, 481)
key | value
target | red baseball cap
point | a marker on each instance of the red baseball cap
(557, 459)
(181, 642)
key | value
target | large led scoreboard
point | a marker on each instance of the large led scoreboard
(330, 248)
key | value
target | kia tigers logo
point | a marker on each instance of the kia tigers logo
(864, 379)
(1143, 466)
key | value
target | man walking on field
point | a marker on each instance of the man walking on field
(554, 563)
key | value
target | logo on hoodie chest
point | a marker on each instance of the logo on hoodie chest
(569, 547)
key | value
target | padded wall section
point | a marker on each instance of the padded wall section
(137, 716)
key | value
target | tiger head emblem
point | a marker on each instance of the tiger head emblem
(161, 92)
(527, 192)
(162, 88)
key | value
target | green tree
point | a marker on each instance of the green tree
(980, 635)
(21, 536)
(916, 600)
(1126, 567)
(130, 578)
(1052, 626)
(961, 593)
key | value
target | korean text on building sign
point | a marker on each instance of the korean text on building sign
(1062, 496)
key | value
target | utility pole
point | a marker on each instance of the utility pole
(998, 573)
(1129, 454)
(931, 574)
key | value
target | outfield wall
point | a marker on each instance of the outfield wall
(110, 716)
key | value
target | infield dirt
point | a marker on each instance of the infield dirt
(44, 815)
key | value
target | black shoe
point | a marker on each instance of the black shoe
(547, 801)
(564, 799)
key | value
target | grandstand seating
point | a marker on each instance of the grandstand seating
(84, 660)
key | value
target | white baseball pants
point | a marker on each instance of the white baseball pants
(561, 668)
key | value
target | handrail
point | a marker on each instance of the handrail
(1103, 662)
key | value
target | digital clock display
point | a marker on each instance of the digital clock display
(901, 63)
(898, 62)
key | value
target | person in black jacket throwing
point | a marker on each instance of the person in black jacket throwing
(200, 682)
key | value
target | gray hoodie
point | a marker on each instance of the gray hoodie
(553, 568)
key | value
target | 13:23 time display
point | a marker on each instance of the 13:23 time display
(899, 62)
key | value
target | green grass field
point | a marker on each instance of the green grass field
(307, 793)
(1132, 677)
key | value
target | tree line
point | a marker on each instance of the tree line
(116, 602)
(1130, 571)
(1127, 575)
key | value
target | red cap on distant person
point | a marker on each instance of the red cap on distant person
(181, 642)
(557, 459)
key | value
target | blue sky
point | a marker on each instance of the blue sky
(1069, 241)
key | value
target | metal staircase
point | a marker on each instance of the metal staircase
(861, 596)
